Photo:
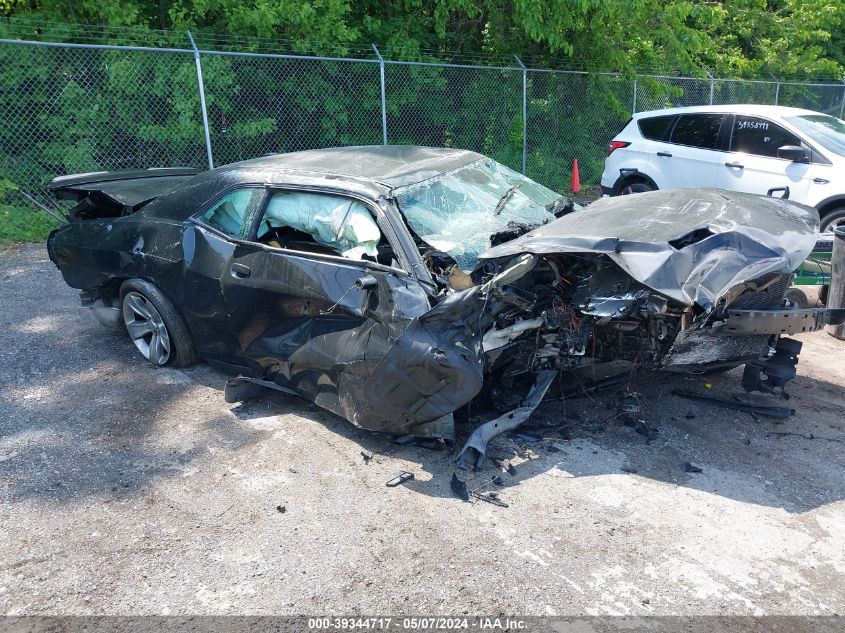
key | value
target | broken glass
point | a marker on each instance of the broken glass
(458, 212)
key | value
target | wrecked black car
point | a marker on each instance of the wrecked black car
(391, 285)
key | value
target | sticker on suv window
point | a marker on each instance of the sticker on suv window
(752, 125)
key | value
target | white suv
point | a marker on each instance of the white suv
(752, 148)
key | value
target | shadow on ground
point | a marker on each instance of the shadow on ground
(795, 464)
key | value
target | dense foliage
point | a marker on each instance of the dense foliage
(64, 110)
(728, 37)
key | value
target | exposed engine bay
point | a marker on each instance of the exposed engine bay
(551, 311)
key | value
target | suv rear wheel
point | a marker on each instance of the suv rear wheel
(832, 219)
(635, 187)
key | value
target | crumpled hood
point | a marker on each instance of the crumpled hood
(693, 245)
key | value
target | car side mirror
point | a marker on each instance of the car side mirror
(367, 282)
(795, 153)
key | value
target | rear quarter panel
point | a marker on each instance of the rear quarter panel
(92, 253)
(636, 156)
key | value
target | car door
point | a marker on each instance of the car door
(311, 310)
(208, 244)
(691, 155)
(752, 164)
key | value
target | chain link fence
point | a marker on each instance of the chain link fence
(70, 108)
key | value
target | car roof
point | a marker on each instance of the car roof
(743, 108)
(369, 171)
(389, 165)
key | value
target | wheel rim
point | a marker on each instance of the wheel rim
(828, 227)
(146, 328)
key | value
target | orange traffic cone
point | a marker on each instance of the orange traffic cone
(576, 179)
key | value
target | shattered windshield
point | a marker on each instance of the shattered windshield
(459, 211)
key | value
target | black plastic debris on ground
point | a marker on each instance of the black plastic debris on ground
(690, 468)
(738, 405)
(644, 429)
(490, 497)
(431, 443)
(401, 478)
(629, 407)
(459, 487)
(811, 436)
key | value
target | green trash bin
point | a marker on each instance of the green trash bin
(836, 294)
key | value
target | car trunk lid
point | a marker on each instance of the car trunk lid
(115, 193)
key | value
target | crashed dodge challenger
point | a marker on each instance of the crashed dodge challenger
(391, 285)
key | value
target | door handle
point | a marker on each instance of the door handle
(821, 181)
(240, 271)
(664, 154)
(785, 190)
(735, 165)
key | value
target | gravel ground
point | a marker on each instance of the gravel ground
(126, 489)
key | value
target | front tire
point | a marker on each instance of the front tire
(635, 187)
(832, 219)
(155, 326)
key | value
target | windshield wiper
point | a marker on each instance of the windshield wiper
(505, 197)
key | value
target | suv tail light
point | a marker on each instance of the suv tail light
(615, 145)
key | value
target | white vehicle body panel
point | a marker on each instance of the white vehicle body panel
(663, 164)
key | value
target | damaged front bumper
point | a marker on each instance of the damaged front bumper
(751, 322)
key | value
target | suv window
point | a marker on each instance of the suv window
(654, 128)
(752, 135)
(234, 212)
(697, 130)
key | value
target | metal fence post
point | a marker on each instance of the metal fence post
(777, 87)
(712, 85)
(524, 112)
(383, 99)
(842, 106)
(202, 101)
(634, 104)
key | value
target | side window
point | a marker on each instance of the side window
(234, 212)
(697, 130)
(760, 137)
(321, 223)
(654, 128)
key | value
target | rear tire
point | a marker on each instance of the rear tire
(635, 187)
(833, 218)
(155, 326)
